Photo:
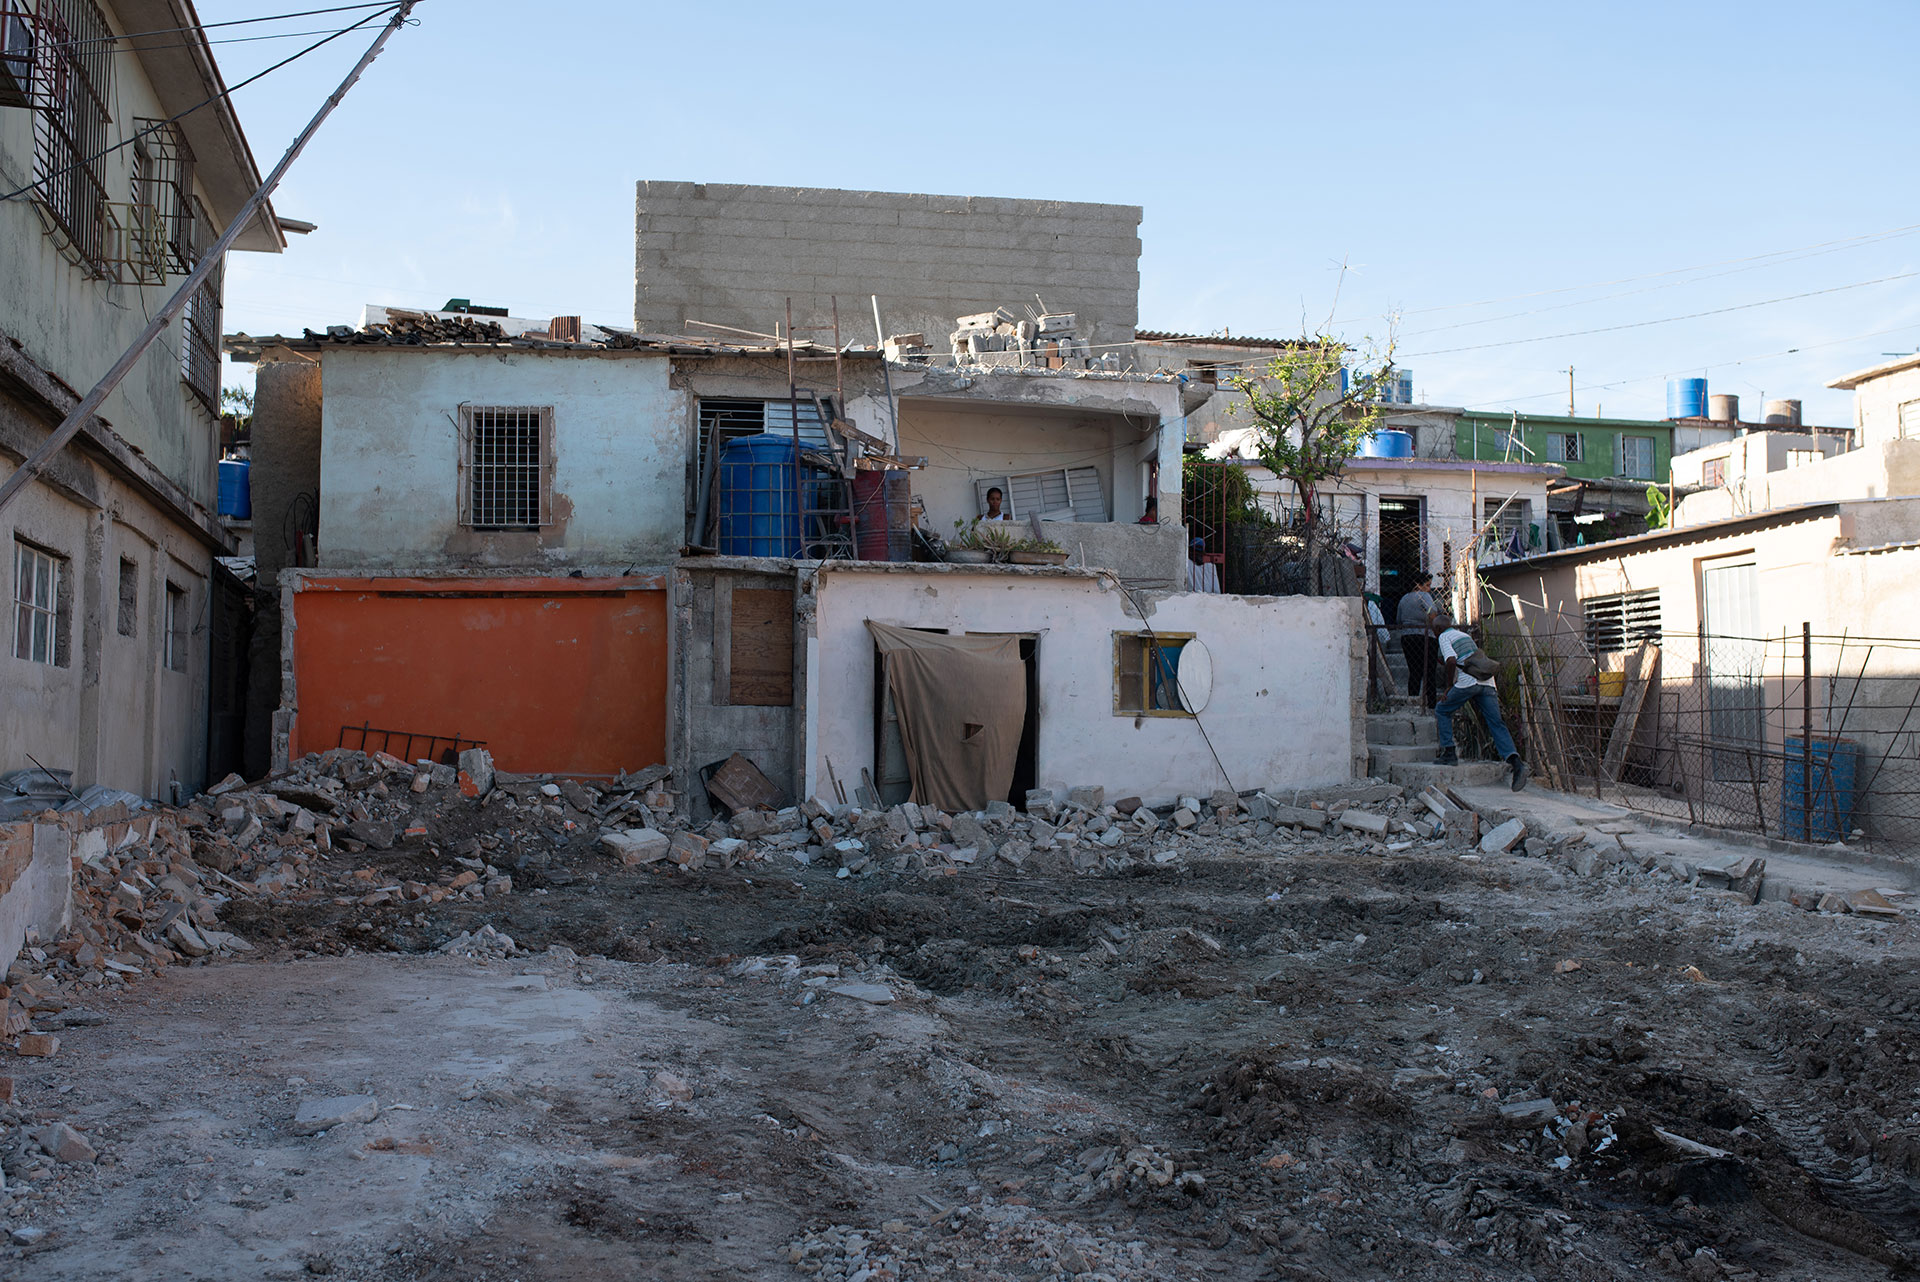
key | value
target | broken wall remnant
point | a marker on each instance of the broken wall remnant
(732, 254)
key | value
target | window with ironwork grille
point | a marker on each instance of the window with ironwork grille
(507, 455)
(41, 601)
(18, 42)
(1636, 457)
(1622, 620)
(1566, 447)
(200, 339)
(70, 90)
(1713, 472)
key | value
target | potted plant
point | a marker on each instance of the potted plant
(965, 548)
(1001, 539)
(1039, 552)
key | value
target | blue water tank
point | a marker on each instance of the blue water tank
(1836, 765)
(1386, 444)
(236, 492)
(1686, 398)
(758, 505)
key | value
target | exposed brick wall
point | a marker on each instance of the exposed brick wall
(732, 255)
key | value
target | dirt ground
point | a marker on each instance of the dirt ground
(1263, 1059)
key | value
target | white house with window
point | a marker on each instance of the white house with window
(121, 163)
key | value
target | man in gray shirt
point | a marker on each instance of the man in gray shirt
(1416, 639)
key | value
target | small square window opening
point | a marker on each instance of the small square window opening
(1146, 668)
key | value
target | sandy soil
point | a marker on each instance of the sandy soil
(1259, 1061)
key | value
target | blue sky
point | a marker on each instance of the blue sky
(1496, 175)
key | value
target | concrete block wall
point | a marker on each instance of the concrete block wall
(732, 255)
(36, 884)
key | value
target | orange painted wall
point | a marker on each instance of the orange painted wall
(559, 676)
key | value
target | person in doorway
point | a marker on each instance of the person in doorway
(994, 501)
(1153, 513)
(1412, 620)
(1463, 688)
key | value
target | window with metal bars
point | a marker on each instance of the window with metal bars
(200, 339)
(735, 417)
(1565, 447)
(1622, 620)
(70, 90)
(507, 459)
(1713, 472)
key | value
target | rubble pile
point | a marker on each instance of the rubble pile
(1051, 341)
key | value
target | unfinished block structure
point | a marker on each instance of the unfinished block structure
(732, 255)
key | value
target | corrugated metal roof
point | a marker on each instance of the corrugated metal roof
(1209, 340)
(425, 332)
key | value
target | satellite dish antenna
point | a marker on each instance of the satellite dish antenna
(1196, 676)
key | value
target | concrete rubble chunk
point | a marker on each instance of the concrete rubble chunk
(872, 994)
(476, 772)
(1365, 821)
(62, 1143)
(688, 849)
(1184, 818)
(636, 845)
(1127, 805)
(37, 1045)
(1299, 817)
(1040, 801)
(1528, 1112)
(316, 1115)
(1225, 801)
(1871, 903)
(1087, 798)
(1503, 838)
(182, 936)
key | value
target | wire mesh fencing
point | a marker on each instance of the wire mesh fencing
(1798, 736)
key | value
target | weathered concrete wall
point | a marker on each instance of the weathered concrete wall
(77, 326)
(390, 457)
(1282, 714)
(733, 255)
(36, 884)
(286, 457)
(108, 708)
(708, 727)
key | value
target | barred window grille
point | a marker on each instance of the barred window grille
(1565, 447)
(200, 337)
(508, 456)
(71, 89)
(1622, 620)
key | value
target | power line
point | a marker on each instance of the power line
(233, 22)
(1672, 271)
(228, 40)
(224, 93)
(1664, 320)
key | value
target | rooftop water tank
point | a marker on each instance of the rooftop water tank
(1785, 413)
(1723, 407)
(754, 486)
(1386, 444)
(1686, 398)
(236, 490)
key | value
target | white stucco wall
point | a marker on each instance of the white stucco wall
(1889, 469)
(1282, 714)
(1877, 402)
(390, 457)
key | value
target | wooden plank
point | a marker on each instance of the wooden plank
(761, 648)
(1640, 666)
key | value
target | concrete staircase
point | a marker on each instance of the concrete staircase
(1401, 743)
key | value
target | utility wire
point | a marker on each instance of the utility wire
(228, 40)
(235, 22)
(1664, 320)
(1908, 229)
(205, 102)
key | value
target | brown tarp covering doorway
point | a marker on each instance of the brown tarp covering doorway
(961, 702)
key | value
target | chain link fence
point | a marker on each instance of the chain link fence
(1796, 736)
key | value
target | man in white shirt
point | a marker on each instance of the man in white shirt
(1463, 688)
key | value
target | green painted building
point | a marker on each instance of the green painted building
(1591, 449)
